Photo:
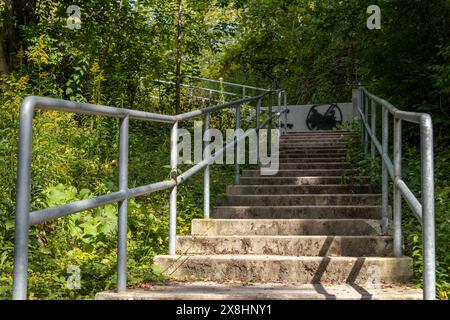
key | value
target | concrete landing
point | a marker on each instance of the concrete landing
(266, 291)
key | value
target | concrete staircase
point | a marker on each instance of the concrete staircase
(301, 234)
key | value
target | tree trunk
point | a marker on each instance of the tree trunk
(3, 63)
(179, 57)
(18, 13)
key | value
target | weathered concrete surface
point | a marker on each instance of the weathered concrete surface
(266, 291)
(287, 139)
(326, 165)
(297, 212)
(293, 189)
(269, 268)
(353, 246)
(311, 145)
(312, 155)
(312, 150)
(304, 173)
(302, 199)
(285, 227)
(302, 181)
(311, 160)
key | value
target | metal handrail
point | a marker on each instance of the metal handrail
(424, 210)
(198, 88)
(24, 218)
(211, 90)
(229, 83)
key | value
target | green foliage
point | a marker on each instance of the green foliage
(75, 157)
(320, 50)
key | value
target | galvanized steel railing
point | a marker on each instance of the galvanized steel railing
(25, 218)
(243, 89)
(423, 210)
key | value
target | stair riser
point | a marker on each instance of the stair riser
(299, 151)
(289, 227)
(319, 133)
(306, 166)
(317, 145)
(302, 181)
(311, 160)
(307, 270)
(303, 153)
(311, 156)
(332, 138)
(301, 173)
(315, 139)
(272, 190)
(302, 200)
(289, 246)
(304, 212)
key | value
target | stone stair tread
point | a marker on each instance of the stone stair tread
(287, 245)
(297, 212)
(303, 199)
(298, 190)
(300, 206)
(268, 257)
(295, 226)
(261, 291)
(279, 268)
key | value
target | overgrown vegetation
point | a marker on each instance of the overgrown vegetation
(318, 50)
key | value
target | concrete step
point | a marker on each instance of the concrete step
(312, 139)
(335, 137)
(311, 160)
(302, 181)
(318, 132)
(317, 165)
(286, 227)
(312, 148)
(262, 291)
(311, 155)
(303, 173)
(297, 212)
(308, 145)
(293, 189)
(352, 246)
(320, 152)
(303, 199)
(268, 268)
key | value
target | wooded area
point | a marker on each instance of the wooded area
(317, 50)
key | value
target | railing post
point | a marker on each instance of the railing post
(384, 172)
(206, 177)
(285, 112)
(258, 112)
(23, 186)
(279, 110)
(173, 192)
(269, 132)
(244, 94)
(237, 177)
(361, 108)
(373, 127)
(428, 215)
(123, 206)
(397, 219)
(366, 119)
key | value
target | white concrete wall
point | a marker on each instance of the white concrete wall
(298, 113)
